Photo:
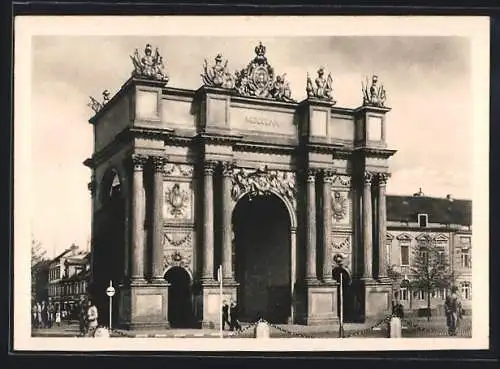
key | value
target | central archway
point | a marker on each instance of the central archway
(180, 307)
(262, 240)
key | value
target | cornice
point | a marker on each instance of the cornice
(263, 147)
(375, 152)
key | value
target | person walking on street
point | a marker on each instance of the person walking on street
(83, 318)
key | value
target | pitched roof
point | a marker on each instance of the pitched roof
(439, 210)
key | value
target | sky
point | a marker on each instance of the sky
(427, 79)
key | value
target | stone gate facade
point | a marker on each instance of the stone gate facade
(182, 160)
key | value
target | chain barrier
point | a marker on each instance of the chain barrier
(238, 333)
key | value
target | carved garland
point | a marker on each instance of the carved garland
(345, 244)
(180, 242)
(263, 182)
(183, 170)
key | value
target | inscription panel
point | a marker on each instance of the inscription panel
(246, 119)
(341, 128)
(147, 105)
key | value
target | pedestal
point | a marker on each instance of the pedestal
(378, 299)
(319, 304)
(212, 307)
(144, 305)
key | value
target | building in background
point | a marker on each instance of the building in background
(412, 221)
(68, 274)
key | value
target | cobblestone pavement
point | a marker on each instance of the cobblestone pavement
(415, 328)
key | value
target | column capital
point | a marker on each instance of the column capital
(158, 163)
(138, 161)
(227, 168)
(328, 175)
(311, 174)
(382, 178)
(209, 167)
(368, 177)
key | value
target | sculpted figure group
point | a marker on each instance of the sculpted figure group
(258, 79)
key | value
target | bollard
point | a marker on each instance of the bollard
(395, 327)
(261, 330)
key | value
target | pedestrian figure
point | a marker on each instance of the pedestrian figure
(395, 322)
(45, 315)
(39, 320)
(92, 316)
(83, 318)
(225, 315)
(58, 316)
(234, 323)
(453, 311)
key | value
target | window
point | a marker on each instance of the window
(466, 290)
(422, 220)
(403, 292)
(441, 257)
(405, 254)
(388, 253)
(420, 295)
(465, 260)
(423, 253)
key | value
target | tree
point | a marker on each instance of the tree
(38, 253)
(430, 269)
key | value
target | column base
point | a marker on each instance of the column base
(144, 305)
(318, 304)
(211, 300)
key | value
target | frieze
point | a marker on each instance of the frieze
(341, 243)
(263, 182)
(341, 180)
(178, 170)
(177, 200)
(171, 239)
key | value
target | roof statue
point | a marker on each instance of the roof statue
(375, 95)
(95, 105)
(258, 79)
(322, 88)
(149, 66)
(217, 75)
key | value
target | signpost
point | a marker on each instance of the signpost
(341, 327)
(110, 291)
(219, 279)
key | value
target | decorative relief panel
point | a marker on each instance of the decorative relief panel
(177, 200)
(341, 243)
(341, 208)
(341, 181)
(178, 249)
(178, 170)
(263, 182)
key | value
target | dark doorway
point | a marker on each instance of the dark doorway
(180, 307)
(351, 302)
(263, 258)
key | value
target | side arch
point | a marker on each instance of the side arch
(186, 269)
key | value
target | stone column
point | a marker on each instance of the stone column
(327, 224)
(367, 226)
(382, 225)
(157, 260)
(311, 226)
(208, 221)
(227, 251)
(138, 218)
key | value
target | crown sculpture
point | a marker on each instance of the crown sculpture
(375, 95)
(258, 79)
(95, 105)
(322, 88)
(149, 66)
(217, 75)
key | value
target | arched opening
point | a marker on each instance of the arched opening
(261, 228)
(108, 248)
(180, 305)
(346, 295)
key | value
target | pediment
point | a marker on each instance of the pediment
(389, 237)
(424, 237)
(441, 238)
(403, 237)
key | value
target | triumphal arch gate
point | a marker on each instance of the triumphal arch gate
(286, 196)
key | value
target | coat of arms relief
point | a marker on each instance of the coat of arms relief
(177, 200)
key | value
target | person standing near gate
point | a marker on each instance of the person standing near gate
(225, 315)
(92, 316)
(234, 323)
(453, 311)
